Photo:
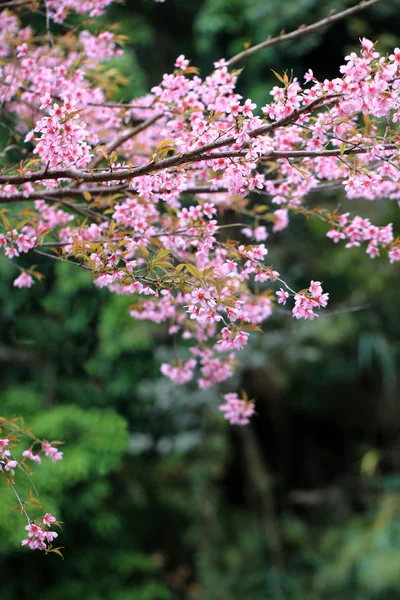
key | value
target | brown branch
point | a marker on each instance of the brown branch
(203, 189)
(70, 192)
(302, 30)
(17, 3)
(293, 153)
(173, 161)
(65, 192)
(119, 105)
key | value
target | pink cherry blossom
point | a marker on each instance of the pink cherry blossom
(35, 457)
(282, 296)
(48, 519)
(51, 452)
(236, 411)
(23, 281)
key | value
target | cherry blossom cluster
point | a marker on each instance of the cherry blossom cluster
(62, 140)
(306, 301)
(40, 536)
(101, 47)
(6, 463)
(180, 373)
(360, 230)
(52, 452)
(59, 9)
(16, 242)
(236, 410)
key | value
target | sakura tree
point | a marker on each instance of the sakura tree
(136, 193)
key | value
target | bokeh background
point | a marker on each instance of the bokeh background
(160, 498)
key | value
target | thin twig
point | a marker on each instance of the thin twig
(21, 504)
(125, 137)
(70, 192)
(65, 192)
(47, 15)
(84, 212)
(25, 472)
(302, 30)
(60, 259)
(327, 313)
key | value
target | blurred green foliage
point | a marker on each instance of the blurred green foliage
(160, 500)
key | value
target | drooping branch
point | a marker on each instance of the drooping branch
(302, 30)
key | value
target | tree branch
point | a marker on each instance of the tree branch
(60, 259)
(302, 30)
(173, 161)
(65, 192)
(70, 192)
(17, 3)
(294, 153)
